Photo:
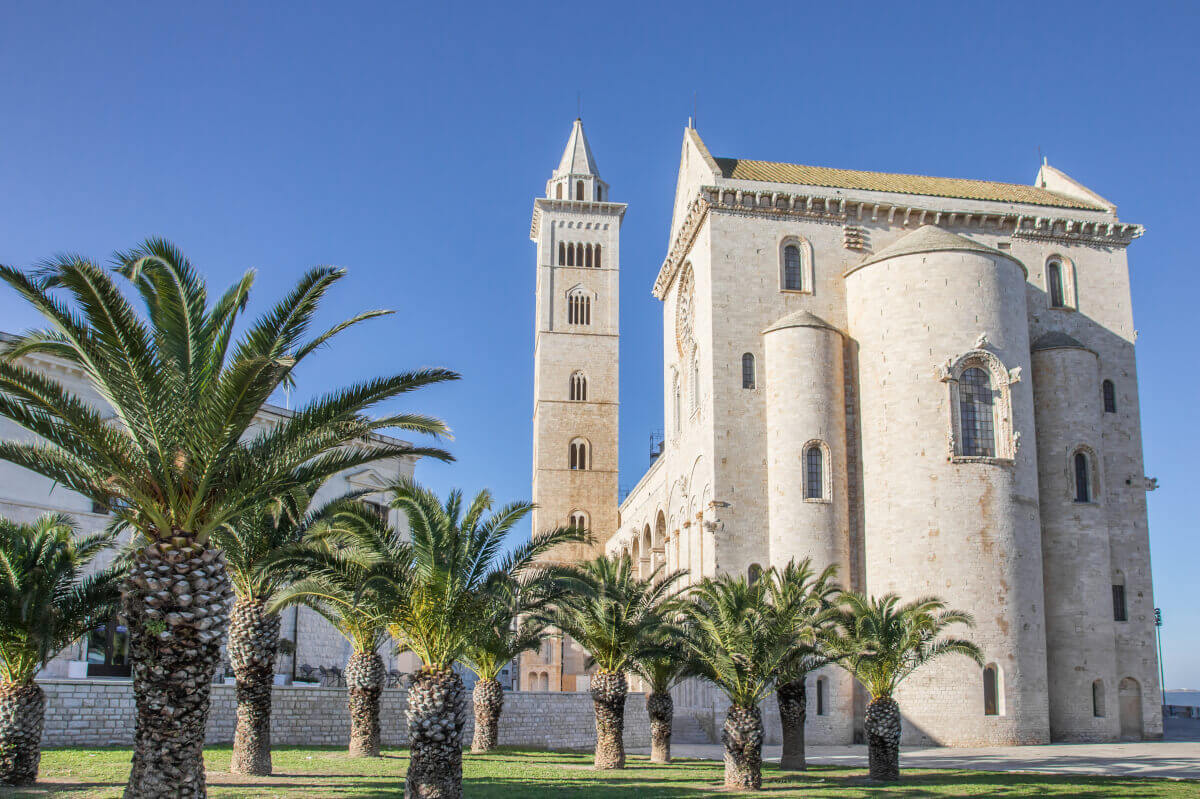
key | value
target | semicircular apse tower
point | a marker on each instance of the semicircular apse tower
(943, 338)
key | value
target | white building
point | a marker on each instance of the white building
(928, 382)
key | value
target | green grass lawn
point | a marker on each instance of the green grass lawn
(509, 774)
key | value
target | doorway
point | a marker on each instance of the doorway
(1130, 694)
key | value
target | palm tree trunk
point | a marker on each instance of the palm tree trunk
(437, 716)
(882, 724)
(364, 679)
(661, 709)
(22, 714)
(176, 603)
(609, 690)
(743, 739)
(253, 641)
(489, 702)
(793, 710)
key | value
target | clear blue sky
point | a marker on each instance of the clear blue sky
(406, 142)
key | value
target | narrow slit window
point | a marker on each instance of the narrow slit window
(975, 408)
(822, 696)
(1083, 488)
(1054, 277)
(1110, 397)
(792, 275)
(814, 473)
(991, 691)
(748, 370)
(1120, 612)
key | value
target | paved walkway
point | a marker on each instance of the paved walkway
(1177, 759)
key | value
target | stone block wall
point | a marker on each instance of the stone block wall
(101, 713)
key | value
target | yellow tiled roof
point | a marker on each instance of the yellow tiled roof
(772, 172)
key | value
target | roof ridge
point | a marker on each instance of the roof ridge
(898, 182)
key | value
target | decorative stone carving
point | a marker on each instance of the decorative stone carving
(854, 237)
(1007, 440)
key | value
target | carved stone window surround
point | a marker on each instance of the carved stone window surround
(1007, 439)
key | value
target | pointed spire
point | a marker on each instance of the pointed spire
(577, 158)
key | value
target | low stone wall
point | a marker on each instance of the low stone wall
(101, 713)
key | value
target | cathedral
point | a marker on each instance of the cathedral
(927, 382)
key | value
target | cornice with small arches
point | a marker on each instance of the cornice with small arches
(842, 210)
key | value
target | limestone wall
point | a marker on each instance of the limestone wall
(938, 522)
(101, 713)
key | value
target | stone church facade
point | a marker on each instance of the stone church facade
(928, 382)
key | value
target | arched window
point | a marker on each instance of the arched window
(596, 262)
(991, 690)
(747, 370)
(1054, 279)
(1098, 699)
(814, 473)
(1110, 397)
(579, 456)
(753, 573)
(822, 696)
(793, 276)
(578, 520)
(579, 308)
(579, 190)
(578, 390)
(579, 255)
(570, 255)
(562, 254)
(587, 256)
(975, 413)
(1083, 488)
(677, 402)
(558, 192)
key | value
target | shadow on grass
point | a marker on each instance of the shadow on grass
(520, 774)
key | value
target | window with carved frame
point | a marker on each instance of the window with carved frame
(981, 424)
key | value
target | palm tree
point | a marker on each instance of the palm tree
(346, 546)
(739, 642)
(618, 618)
(171, 451)
(507, 630)
(435, 605)
(46, 602)
(882, 642)
(798, 590)
(255, 546)
(662, 670)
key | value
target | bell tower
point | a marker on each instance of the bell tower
(575, 390)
